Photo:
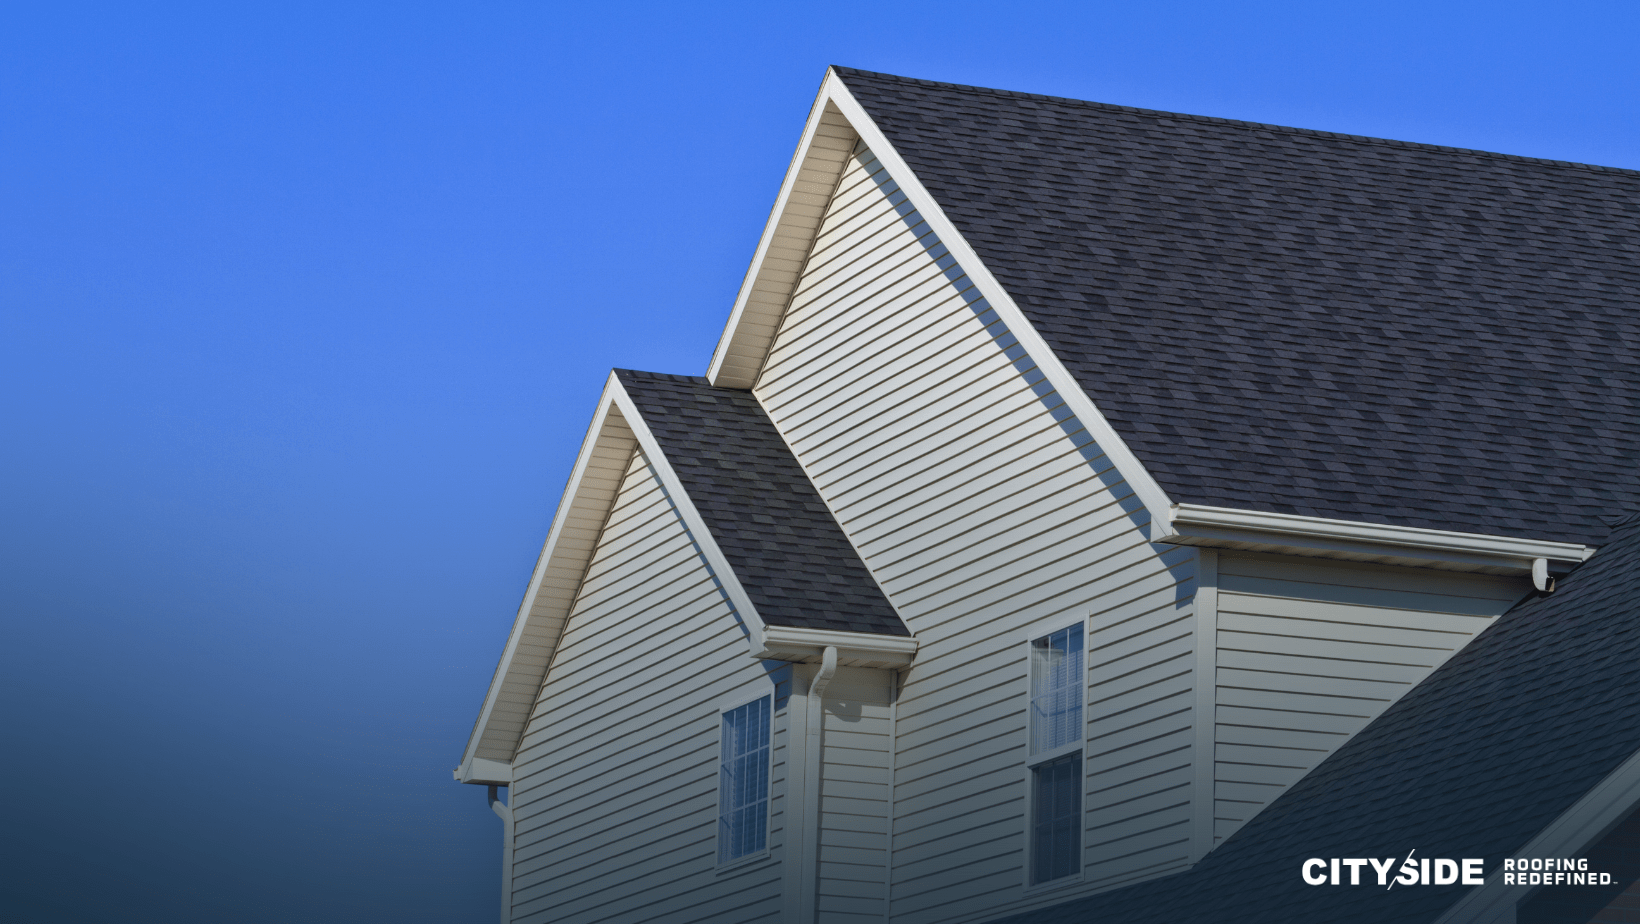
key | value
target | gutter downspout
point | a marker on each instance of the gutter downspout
(505, 812)
(811, 811)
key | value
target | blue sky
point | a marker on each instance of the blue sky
(304, 309)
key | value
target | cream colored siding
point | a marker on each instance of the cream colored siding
(616, 781)
(1309, 652)
(854, 795)
(988, 515)
(1141, 719)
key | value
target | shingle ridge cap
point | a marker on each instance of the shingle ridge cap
(1621, 519)
(666, 377)
(1239, 123)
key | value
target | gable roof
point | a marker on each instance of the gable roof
(766, 516)
(777, 555)
(1308, 323)
(1486, 752)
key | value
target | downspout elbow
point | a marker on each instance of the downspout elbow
(501, 809)
(817, 691)
(1540, 576)
(828, 670)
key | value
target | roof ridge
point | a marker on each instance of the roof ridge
(1239, 123)
(667, 377)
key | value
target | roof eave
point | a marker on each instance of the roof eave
(1256, 530)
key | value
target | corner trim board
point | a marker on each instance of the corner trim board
(1206, 717)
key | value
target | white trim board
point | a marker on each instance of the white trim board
(741, 353)
(1203, 789)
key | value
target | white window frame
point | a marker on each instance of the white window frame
(1034, 760)
(717, 784)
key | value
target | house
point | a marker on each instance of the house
(1095, 514)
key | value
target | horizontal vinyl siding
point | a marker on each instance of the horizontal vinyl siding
(1141, 723)
(1309, 652)
(988, 515)
(615, 799)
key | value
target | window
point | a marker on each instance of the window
(743, 781)
(1056, 819)
(1057, 692)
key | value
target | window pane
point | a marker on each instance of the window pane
(1056, 689)
(1056, 819)
(743, 781)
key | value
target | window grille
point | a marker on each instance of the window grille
(1058, 688)
(743, 781)
(1056, 819)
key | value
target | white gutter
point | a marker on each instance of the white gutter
(1540, 576)
(856, 649)
(1224, 527)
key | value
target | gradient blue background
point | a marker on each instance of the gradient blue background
(304, 309)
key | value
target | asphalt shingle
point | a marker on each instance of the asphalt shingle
(778, 535)
(1310, 323)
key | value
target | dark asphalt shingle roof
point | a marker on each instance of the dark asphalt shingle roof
(782, 542)
(1304, 322)
(1472, 762)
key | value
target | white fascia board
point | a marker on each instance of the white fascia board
(834, 93)
(692, 519)
(1197, 524)
(1574, 832)
(734, 337)
(560, 521)
(856, 649)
